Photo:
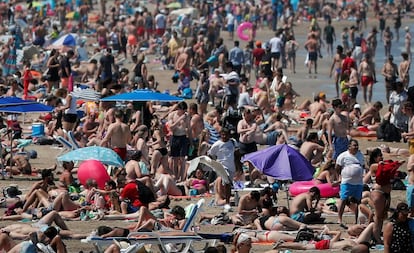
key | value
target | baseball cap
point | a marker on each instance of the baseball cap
(258, 43)
(357, 106)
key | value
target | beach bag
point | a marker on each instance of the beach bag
(146, 196)
(187, 93)
(305, 234)
(398, 185)
(388, 132)
(386, 172)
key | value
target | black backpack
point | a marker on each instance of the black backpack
(146, 196)
(388, 132)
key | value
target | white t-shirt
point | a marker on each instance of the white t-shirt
(276, 45)
(230, 19)
(352, 167)
(160, 21)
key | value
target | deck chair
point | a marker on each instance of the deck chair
(72, 140)
(162, 239)
(66, 144)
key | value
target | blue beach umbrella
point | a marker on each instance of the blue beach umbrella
(13, 101)
(143, 96)
(25, 108)
(104, 155)
(68, 40)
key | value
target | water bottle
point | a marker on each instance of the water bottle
(356, 122)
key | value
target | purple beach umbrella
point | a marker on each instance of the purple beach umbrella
(281, 162)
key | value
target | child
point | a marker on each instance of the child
(345, 91)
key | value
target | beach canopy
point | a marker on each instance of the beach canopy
(209, 165)
(282, 162)
(104, 155)
(143, 96)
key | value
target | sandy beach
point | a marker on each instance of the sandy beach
(303, 83)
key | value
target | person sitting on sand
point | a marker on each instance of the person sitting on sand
(311, 150)
(303, 209)
(248, 209)
(20, 165)
(328, 174)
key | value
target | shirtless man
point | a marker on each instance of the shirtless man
(247, 128)
(302, 207)
(180, 125)
(318, 108)
(20, 166)
(404, 69)
(338, 128)
(247, 210)
(216, 83)
(410, 186)
(118, 135)
(337, 65)
(371, 115)
(311, 46)
(390, 73)
(197, 126)
(407, 41)
(311, 150)
(303, 132)
(102, 36)
(408, 111)
(366, 71)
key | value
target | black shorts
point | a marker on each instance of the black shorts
(246, 148)
(179, 146)
(163, 151)
(354, 92)
(275, 55)
(313, 56)
(71, 118)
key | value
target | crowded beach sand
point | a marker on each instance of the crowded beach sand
(307, 86)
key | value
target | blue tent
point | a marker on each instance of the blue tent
(143, 95)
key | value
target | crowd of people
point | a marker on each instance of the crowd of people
(242, 101)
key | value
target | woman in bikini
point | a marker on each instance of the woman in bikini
(159, 160)
(198, 183)
(279, 222)
(141, 143)
(328, 174)
(380, 194)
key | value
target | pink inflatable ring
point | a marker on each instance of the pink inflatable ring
(245, 30)
(327, 190)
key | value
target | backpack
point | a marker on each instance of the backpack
(386, 171)
(146, 196)
(305, 234)
(388, 132)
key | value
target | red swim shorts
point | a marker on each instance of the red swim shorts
(367, 80)
(122, 152)
(323, 244)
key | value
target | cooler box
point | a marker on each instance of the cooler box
(38, 130)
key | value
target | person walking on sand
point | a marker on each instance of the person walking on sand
(407, 41)
(311, 46)
(337, 65)
(118, 135)
(366, 71)
(337, 130)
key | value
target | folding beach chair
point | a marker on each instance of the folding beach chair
(72, 140)
(162, 239)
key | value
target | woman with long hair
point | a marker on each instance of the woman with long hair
(397, 236)
(159, 159)
(380, 194)
(53, 66)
